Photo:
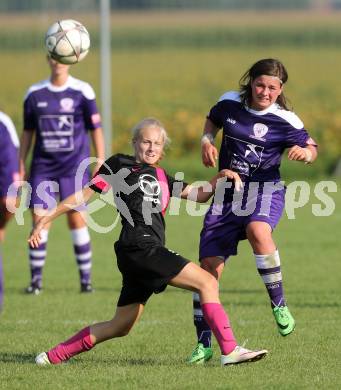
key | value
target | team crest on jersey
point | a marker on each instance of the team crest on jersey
(150, 187)
(259, 130)
(66, 105)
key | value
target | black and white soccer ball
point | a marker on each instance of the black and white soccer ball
(67, 41)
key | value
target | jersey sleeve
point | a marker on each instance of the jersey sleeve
(298, 137)
(9, 164)
(101, 181)
(92, 116)
(29, 114)
(216, 115)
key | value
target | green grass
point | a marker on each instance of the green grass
(179, 86)
(171, 28)
(174, 66)
(153, 355)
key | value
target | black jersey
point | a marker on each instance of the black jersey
(141, 193)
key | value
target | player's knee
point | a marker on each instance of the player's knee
(122, 333)
(210, 265)
(118, 327)
(210, 283)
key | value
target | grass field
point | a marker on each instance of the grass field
(174, 67)
(153, 356)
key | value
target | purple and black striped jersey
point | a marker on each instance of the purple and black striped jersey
(141, 192)
(9, 146)
(253, 141)
(61, 118)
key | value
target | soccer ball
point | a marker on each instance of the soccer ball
(67, 41)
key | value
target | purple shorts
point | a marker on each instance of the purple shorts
(225, 223)
(46, 190)
(6, 180)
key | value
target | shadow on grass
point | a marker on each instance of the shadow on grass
(6, 357)
(319, 305)
(126, 362)
(61, 290)
(221, 291)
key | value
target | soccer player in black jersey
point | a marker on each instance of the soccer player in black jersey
(141, 190)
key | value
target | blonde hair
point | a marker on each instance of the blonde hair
(145, 124)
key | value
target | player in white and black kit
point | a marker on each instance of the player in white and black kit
(141, 190)
(60, 113)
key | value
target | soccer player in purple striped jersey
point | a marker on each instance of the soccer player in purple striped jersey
(143, 190)
(9, 176)
(60, 113)
(257, 128)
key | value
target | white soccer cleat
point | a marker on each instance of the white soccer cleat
(242, 355)
(42, 359)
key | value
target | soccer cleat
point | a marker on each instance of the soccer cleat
(200, 354)
(284, 319)
(242, 355)
(42, 359)
(33, 289)
(86, 288)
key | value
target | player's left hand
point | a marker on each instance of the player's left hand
(35, 237)
(296, 153)
(238, 184)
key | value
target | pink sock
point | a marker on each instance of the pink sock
(218, 321)
(78, 343)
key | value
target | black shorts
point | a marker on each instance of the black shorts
(146, 267)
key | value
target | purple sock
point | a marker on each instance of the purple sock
(269, 269)
(82, 249)
(37, 262)
(204, 333)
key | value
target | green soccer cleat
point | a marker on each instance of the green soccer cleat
(285, 321)
(200, 354)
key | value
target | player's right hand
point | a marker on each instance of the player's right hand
(209, 154)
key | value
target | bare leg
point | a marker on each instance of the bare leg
(123, 320)
(259, 235)
(120, 325)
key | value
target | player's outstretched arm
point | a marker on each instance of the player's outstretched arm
(209, 152)
(66, 205)
(98, 142)
(203, 193)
